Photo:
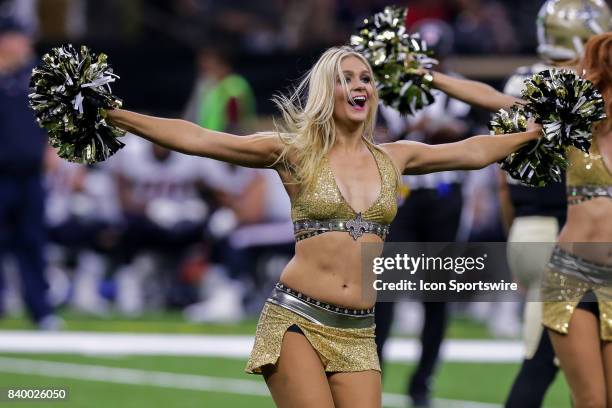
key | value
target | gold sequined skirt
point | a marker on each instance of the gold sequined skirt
(340, 349)
(565, 284)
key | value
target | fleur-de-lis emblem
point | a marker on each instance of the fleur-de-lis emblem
(356, 227)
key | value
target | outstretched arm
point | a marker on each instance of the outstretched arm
(186, 137)
(470, 154)
(473, 92)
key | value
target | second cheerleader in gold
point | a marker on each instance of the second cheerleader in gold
(577, 288)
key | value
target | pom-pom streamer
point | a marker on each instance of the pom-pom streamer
(537, 163)
(69, 93)
(396, 56)
(566, 106)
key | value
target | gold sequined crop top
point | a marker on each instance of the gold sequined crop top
(322, 208)
(587, 175)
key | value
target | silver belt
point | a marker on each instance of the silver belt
(356, 227)
(578, 194)
(582, 269)
(320, 314)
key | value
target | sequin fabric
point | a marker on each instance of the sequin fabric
(323, 200)
(561, 293)
(357, 227)
(340, 350)
(587, 175)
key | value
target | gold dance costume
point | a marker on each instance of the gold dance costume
(342, 337)
(570, 278)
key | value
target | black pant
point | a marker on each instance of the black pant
(428, 215)
(139, 233)
(22, 234)
(534, 377)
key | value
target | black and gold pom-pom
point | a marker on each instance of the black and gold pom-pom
(69, 93)
(535, 164)
(566, 106)
(396, 56)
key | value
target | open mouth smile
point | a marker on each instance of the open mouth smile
(358, 101)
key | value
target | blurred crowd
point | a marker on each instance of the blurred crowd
(163, 36)
(481, 26)
(166, 230)
(151, 229)
(148, 229)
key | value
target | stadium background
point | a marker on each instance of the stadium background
(134, 329)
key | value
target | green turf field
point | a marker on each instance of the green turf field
(172, 322)
(473, 382)
(164, 381)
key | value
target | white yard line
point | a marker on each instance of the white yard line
(399, 350)
(162, 379)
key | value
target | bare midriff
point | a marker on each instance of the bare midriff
(328, 267)
(588, 230)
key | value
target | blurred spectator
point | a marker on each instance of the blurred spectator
(252, 253)
(81, 214)
(308, 25)
(427, 10)
(22, 229)
(163, 217)
(253, 25)
(117, 20)
(483, 27)
(222, 99)
(23, 11)
(62, 19)
(180, 21)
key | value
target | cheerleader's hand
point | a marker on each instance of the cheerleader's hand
(534, 127)
(420, 71)
(425, 74)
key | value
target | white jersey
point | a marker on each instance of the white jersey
(515, 84)
(174, 178)
(77, 190)
(275, 226)
(277, 204)
(225, 177)
(167, 190)
(61, 179)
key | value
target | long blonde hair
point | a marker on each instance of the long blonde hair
(309, 130)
